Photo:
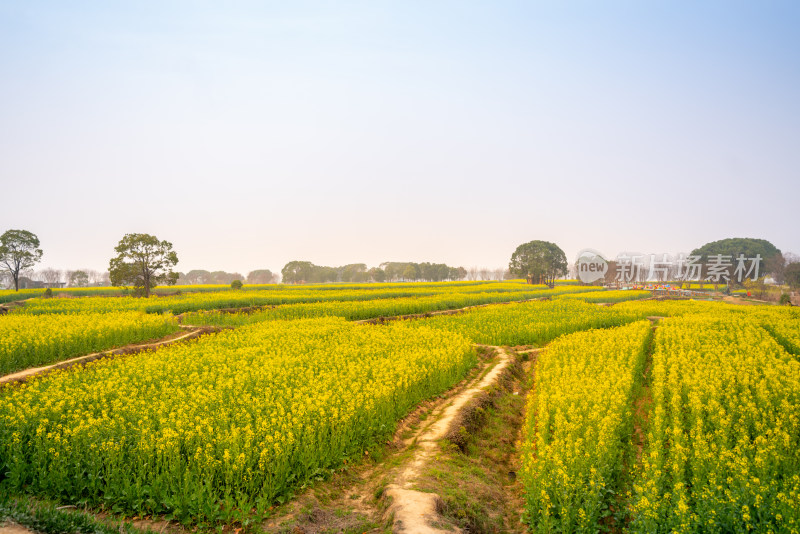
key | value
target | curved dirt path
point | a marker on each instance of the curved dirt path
(191, 332)
(415, 511)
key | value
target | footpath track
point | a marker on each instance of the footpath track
(414, 511)
(189, 332)
(194, 331)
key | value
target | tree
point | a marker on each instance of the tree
(792, 274)
(355, 273)
(224, 278)
(102, 280)
(409, 273)
(143, 262)
(79, 279)
(50, 275)
(735, 246)
(260, 276)
(19, 250)
(611, 274)
(775, 266)
(539, 262)
(297, 271)
(196, 276)
(377, 274)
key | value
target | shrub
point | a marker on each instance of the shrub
(236, 284)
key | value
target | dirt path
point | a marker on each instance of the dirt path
(414, 511)
(9, 306)
(189, 332)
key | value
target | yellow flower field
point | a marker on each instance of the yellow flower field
(490, 292)
(529, 323)
(30, 341)
(211, 429)
(578, 418)
(723, 451)
(608, 296)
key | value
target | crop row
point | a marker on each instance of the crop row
(608, 296)
(723, 452)
(210, 430)
(233, 299)
(28, 340)
(8, 295)
(367, 309)
(578, 426)
(529, 323)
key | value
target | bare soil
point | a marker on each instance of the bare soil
(415, 511)
(378, 494)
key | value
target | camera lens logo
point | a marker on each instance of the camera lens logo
(591, 266)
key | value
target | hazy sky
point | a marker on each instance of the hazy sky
(250, 134)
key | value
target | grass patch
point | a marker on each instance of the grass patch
(47, 518)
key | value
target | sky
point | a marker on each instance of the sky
(250, 134)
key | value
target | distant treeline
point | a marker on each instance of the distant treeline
(297, 272)
(305, 272)
(200, 276)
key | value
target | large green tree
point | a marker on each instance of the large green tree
(19, 250)
(539, 262)
(731, 248)
(297, 271)
(143, 262)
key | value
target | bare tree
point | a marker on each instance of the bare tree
(472, 273)
(776, 266)
(573, 271)
(49, 275)
(611, 277)
(485, 274)
(499, 274)
(660, 267)
(94, 277)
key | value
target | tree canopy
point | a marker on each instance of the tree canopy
(539, 262)
(735, 246)
(792, 275)
(79, 279)
(261, 276)
(143, 262)
(19, 250)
